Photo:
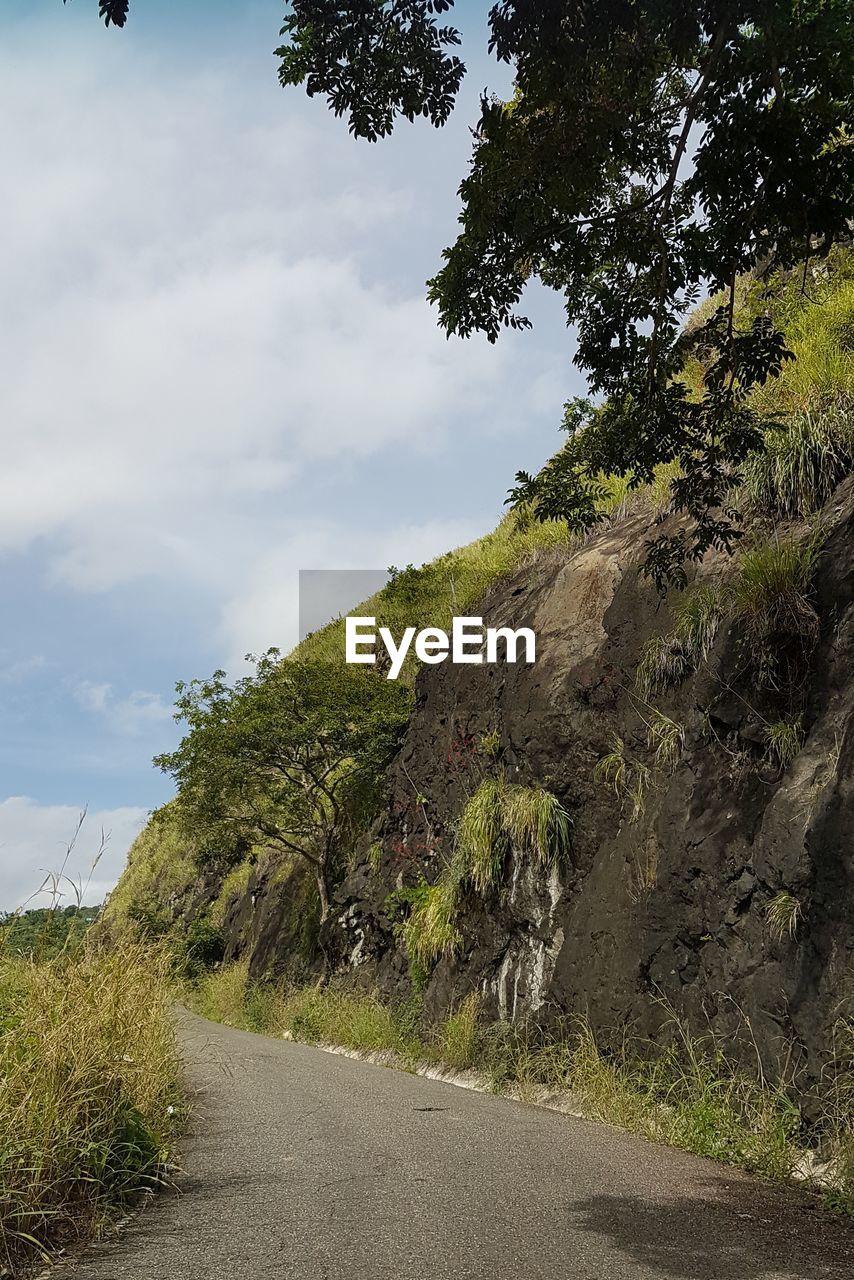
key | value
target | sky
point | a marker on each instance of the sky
(218, 368)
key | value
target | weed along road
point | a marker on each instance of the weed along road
(300, 1163)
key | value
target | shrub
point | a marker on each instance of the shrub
(203, 947)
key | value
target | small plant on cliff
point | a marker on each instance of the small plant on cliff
(783, 914)
(803, 462)
(770, 591)
(771, 595)
(629, 778)
(430, 930)
(482, 837)
(501, 816)
(783, 741)
(667, 737)
(669, 659)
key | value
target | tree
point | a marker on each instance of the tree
(651, 149)
(292, 755)
(112, 11)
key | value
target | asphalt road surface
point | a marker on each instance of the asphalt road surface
(303, 1164)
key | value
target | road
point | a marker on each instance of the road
(306, 1165)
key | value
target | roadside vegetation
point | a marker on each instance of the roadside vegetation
(89, 1097)
(686, 1092)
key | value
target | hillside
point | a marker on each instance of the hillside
(653, 818)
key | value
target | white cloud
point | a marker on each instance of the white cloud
(19, 669)
(127, 715)
(265, 611)
(33, 842)
(193, 322)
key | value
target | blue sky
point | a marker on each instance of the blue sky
(219, 368)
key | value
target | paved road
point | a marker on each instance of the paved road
(310, 1166)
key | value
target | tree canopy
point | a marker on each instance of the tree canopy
(112, 11)
(292, 755)
(652, 150)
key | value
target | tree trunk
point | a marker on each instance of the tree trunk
(322, 890)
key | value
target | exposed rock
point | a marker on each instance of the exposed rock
(665, 910)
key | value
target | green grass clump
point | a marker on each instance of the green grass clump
(458, 1042)
(502, 816)
(783, 741)
(536, 823)
(629, 778)
(770, 589)
(89, 1091)
(669, 659)
(803, 462)
(482, 837)
(667, 738)
(783, 914)
(430, 930)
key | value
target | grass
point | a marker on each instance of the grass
(783, 741)
(89, 1092)
(667, 738)
(783, 914)
(160, 870)
(687, 1093)
(802, 464)
(430, 930)
(482, 836)
(499, 818)
(629, 778)
(770, 590)
(669, 659)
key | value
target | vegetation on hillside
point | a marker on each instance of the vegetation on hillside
(89, 1095)
(44, 932)
(648, 150)
(292, 755)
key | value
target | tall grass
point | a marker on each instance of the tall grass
(88, 1091)
(801, 465)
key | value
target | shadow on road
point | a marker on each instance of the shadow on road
(694, 1238)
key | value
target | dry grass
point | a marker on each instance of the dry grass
(89, 1091)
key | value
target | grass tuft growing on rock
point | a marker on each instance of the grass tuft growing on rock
(770, 589)
(783, 914)
(669, 659)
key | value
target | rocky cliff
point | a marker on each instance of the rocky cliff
(664, 903)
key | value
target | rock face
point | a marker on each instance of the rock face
(660, 911)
